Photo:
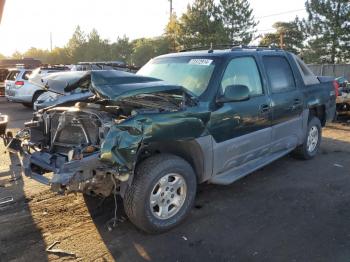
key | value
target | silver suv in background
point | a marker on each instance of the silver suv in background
(24, 86)
(16, 85)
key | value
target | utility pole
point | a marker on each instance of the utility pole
(171, 9)
(281, 40)
(51, 41)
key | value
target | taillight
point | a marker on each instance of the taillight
(19, 83)
(336, 87)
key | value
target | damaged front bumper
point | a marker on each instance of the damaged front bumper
(88, 175)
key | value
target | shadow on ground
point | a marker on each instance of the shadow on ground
(291, 210)
(18, 229)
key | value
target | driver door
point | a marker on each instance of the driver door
(241, 130)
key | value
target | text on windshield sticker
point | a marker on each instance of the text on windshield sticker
(204, 62)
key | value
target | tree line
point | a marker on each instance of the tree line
(322, 37)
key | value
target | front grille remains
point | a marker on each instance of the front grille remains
(73, 129)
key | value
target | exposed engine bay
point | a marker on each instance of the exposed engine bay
(66, 135)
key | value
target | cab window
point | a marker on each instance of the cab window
(279, 74)
(243, 71)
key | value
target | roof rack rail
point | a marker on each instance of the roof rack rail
(233, 47)
(209, 48)
(256, 47)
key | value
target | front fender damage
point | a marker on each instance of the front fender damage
(115, 161)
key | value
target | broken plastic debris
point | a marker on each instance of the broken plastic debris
(58, 251)
(6, 200)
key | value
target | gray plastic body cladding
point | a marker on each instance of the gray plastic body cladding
(206, 145)
(238, 157)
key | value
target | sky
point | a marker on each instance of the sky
(28, 24)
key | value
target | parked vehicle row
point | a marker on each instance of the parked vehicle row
(186, 118)
(343, 97)
(6, 64)
(24, 86)
(29, 88)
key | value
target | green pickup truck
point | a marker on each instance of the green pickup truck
(185, 118)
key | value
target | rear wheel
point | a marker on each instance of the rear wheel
(312, 140)
(162, 193)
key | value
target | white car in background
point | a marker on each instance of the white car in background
(21, 87)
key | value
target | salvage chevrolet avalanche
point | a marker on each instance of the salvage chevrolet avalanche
(186, 118)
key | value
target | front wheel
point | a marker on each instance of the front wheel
(312, 140)
(162, 193)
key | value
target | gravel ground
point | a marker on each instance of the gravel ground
(290, 210)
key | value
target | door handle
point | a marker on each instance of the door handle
(264, 108)
(296, 104)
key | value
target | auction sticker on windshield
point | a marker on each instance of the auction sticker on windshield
(204, 62)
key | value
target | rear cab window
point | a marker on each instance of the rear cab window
(12, 76)
(307, 75)
(279, 74)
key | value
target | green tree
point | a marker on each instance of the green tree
(17, 55)
(42, 55)
(143, 51)
(59, 56)
(202, 25)
(328, 28)
(122, 49)
(76, 46)
(238, 20)
(147, 48)
(172, 32)
(2, 56)
(162, 45)
(96, 48)
(291, 33)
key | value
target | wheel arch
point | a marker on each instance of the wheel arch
(191, 151)
(319, 112)
(37, 93)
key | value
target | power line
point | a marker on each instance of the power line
(282, 13)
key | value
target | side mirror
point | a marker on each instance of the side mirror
(234, 93)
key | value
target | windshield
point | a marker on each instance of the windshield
(190, 72)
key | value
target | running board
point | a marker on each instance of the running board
(233, 175)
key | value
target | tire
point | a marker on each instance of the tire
(137, 202)
(303, 151)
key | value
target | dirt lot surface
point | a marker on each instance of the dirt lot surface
(291, 210)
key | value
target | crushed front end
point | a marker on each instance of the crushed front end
(66, 142)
